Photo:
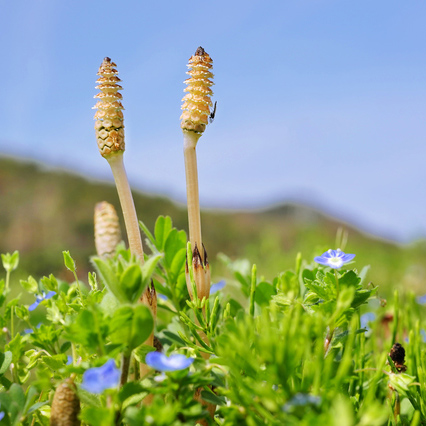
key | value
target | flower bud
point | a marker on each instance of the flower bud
(197, 102)
(109, 124)
(65, 405)
(107, 229)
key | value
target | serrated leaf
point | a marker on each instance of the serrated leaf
(30, 285)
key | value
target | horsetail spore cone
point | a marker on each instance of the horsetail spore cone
(65, 405)
(107, 229)
(109, 117)
(197, 102)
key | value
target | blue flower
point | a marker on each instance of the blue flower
(162, 296)
(334, 258)
(421, 300)
(40, 298)
(28, 330)
(161, 362)
(1, 414)
(366, 319)
(97, 379)
(423, 333)
(218, 286)
(69, 359)
(301, 400)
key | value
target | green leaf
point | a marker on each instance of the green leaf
(349, 278)
(109, 278)
(10, 261)
(148, 269)
(5, 361)
(18, 396)
(163, 226)
(264, 293)
(131, 282)
(50, 283)
(175, 242)
(31, 285)
(98, 416)
(212, 398)
(131, 325)
(69, 261)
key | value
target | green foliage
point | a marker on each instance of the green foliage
(289, 350)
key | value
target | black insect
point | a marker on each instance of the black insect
(213, 113)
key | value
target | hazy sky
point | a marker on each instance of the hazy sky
(321, 101)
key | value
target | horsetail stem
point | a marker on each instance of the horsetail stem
(194, 119)
(109, 128)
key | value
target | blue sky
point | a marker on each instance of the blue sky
(321, 101)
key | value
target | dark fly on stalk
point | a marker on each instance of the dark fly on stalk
(213, 113)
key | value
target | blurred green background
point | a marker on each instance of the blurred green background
(45, 211)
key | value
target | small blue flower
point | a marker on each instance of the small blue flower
(366, 319)
(218, 286)
(421, 300)
(423, 333)
(97, 379)
(300, 400)
(40, 298)
(69, 359)
(1, 414)
(162, 296)
(161, 362)
(28, 330)
(334, 258)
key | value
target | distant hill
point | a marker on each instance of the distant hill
(43, 212)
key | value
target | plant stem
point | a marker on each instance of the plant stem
(12, 309)
(190, 140)
(133, 233)
(337, 285)
(125, 366)
(7, 281)
(127, 204)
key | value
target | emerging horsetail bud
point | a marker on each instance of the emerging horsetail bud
(109, 124)
(107, 229)
(65, 405)
(197, 102)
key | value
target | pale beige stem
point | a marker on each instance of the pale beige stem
(127, 204)
(133, 232)
(190, 140)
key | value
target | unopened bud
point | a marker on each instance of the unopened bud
(107, 229)
(109, 124)
(197, 102)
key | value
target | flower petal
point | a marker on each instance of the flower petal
(34, 305)
(50, 295)
(218, 286)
